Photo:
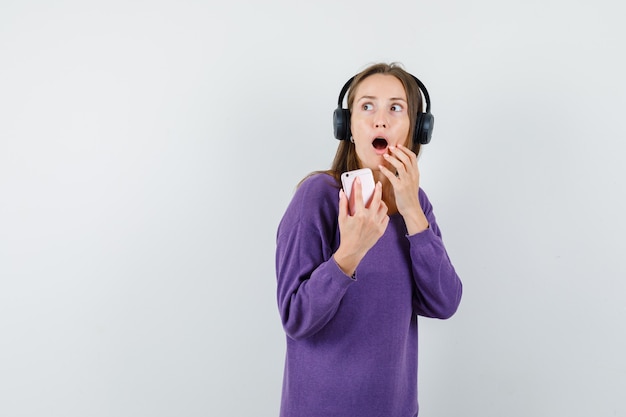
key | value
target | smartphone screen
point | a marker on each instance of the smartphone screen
(367, 183)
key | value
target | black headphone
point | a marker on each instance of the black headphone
(423, 125)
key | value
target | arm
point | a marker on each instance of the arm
(310, 285)
(439, 288)
(319, 246)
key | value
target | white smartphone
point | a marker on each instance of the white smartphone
(367, 182)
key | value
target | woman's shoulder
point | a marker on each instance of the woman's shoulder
(317, 190)
(318, 183)
(315, 201)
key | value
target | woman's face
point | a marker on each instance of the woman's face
(379, 118)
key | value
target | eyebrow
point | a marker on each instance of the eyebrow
(374, 97)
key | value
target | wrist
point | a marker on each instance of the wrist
(347, 262)
(416, 222)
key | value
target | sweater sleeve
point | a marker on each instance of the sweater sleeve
(439, 288)
(310, 284)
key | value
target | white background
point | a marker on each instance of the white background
(149, 148)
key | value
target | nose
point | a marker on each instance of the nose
(380, 121)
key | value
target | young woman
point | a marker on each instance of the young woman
(353, 277)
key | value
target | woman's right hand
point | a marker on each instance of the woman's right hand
(361, 230)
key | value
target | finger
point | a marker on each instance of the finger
(391, 176)
(382, 209)
(343, 205)
(356, 198)
(377, 195)
(381, 214)
(394, 162)
(402, 154)
(408, 152)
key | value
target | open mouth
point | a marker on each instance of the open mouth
(379, 143)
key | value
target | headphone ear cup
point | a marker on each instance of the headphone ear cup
(341, 124)
(423, 128)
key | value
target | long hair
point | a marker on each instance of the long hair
(346, 158)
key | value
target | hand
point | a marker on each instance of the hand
(405, 182)
(361, 230)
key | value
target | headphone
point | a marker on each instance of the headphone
(423, 124)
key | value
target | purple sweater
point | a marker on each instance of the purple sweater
(352, 343)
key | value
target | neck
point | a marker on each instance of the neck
(388, 194)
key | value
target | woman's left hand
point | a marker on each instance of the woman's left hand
(405, 182)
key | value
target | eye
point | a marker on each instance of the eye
(367, 106)
(396, 107)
